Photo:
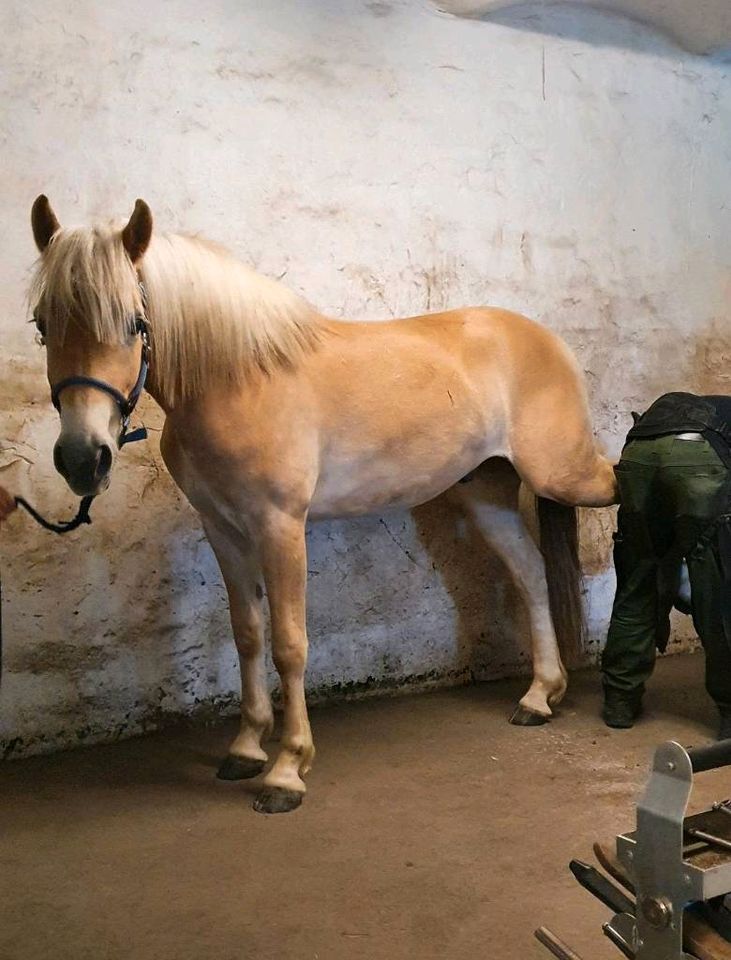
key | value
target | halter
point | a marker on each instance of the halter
(126, 405)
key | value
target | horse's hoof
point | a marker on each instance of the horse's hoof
(239, 768)
(277, 800)
(523, 717)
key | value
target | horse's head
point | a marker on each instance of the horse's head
(90, 313)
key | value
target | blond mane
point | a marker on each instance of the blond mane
(213, 319)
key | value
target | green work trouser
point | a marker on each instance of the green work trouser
(671, 491)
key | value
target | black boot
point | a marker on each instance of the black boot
(621, 707)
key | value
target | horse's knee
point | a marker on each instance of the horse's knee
(247, 621)
(249, 643)
(289, 655)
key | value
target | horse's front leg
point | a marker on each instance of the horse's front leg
(284, 559)
(241, 573)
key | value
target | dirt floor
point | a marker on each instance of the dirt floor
(432, 829)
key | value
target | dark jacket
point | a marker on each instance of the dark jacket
(688, 413)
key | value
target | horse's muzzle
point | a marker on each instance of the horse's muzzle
(85, 464)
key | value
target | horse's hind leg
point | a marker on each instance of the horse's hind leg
(491, 500)
(553, 449)
(240, 570)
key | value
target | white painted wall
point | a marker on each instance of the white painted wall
(385, 159)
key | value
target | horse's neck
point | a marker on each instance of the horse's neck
(152, 388)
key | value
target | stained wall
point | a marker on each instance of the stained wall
(382, 158)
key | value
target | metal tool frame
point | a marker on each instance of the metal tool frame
(654, 857)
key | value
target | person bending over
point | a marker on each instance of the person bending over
(674, 480)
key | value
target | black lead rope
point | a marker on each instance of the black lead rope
(63, 526)
(82, 514)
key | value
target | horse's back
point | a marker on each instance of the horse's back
(477, 334)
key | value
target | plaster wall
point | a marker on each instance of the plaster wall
(382, 158)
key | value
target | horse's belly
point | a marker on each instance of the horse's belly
(371, 484)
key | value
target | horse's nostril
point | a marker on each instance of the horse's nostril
(58, 460)
(104, 461)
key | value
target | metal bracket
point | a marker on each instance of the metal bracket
(653, 857)
(668, 862)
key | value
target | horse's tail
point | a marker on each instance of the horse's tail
(559, 530)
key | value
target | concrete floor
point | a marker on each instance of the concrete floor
(432, 829)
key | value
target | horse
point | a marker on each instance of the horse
(276, 414)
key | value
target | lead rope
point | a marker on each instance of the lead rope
(82, 514)
(63, 526)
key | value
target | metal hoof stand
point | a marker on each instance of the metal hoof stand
(667, 884)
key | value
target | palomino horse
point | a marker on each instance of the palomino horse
(276, 414)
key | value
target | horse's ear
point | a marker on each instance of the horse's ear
(43, 221)
(136, 235)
